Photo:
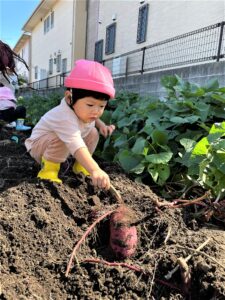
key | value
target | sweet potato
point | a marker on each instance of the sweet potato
(123, 235)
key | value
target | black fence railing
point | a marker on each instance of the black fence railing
(49, 82)
(205, 44)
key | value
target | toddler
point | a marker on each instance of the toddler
(72, 127)
(9, 111)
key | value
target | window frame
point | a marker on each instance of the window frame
(110, 40)
(50, 66)
(142, 23)
(36, 72)
(58, 63)
(64, 65)
(49, 22)
(52, 19)
(98, 56)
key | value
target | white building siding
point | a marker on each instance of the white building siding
(25, 54)
(171, 18)
(57, 40)
(166, 19)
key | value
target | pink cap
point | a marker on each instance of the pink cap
(91, 75)
(6, 93)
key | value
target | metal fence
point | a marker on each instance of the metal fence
(49, 82)
(205, 44)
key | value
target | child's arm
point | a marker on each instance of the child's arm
(98, 176)
(104, 129)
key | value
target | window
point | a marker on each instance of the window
(49, 22)
(50, 66)
(142, 23)
(110, 39)
(52, 19)
(58, 63)
(36, 72)
(99, 50)
(64, 65)
(46, 24)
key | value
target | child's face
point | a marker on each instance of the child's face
(89, 109)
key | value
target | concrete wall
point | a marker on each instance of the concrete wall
(149, 84)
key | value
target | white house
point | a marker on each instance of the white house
(22, 48)
(65, 30)
(57, 31)
(124, 25)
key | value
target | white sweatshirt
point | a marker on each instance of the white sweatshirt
(62, 122)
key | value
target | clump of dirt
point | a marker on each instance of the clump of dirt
(41, 222)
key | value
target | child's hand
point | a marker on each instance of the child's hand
(106, 130)
(100, 179)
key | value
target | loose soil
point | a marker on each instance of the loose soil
(41, 222)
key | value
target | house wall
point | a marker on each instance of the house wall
(92, 27)
(172, 18)
(59, 38)
(25, 54)
(79, 31)
(166, 19)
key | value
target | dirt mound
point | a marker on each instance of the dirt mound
(41, 222)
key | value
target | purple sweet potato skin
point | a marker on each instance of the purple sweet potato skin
(123, 236)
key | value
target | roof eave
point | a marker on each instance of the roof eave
(39, 13)
(21, 42)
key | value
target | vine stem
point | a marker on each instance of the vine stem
(133, 268)
(84, 237)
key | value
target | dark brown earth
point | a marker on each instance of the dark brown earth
(41, 222)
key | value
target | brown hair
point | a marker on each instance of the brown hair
(7, 60)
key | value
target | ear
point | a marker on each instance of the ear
(68, 97)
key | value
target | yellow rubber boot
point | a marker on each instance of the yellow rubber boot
(78, 168)
(49, 171)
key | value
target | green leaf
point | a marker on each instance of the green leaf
(188, 144)
(164, 173)
(128, 121)
(159, 173)
(220, 127)
(219, 161)
(160, 158)
(154, 116)
(129, 160)
(168, 81)
(106, 117)
(139, 146)
(139, 169)
(211, 85)
(159, 137)
(152, 170)
(120, 141)
(180, 120)
(201, 148)
(218, 97)
(122, 123)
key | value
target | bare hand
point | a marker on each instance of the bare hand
(100, 179)
(107, 130)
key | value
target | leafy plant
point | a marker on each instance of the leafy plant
(154, 138)
(37, 105)
(209, 155)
